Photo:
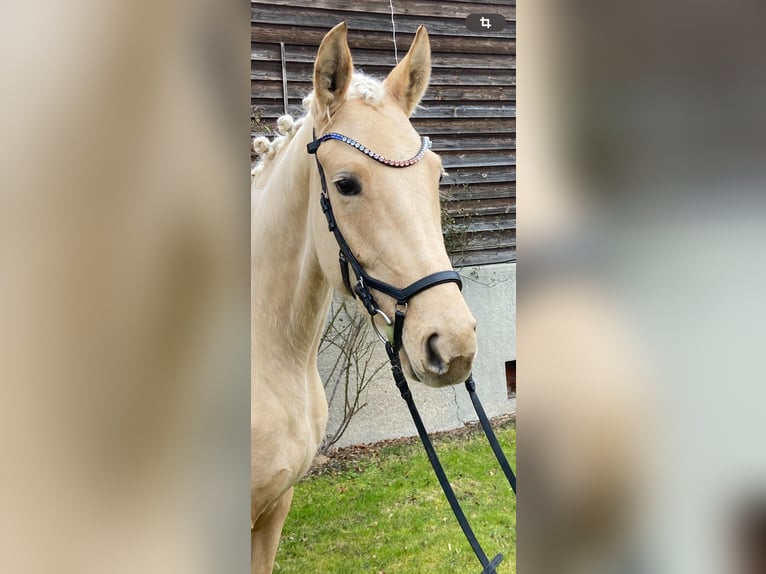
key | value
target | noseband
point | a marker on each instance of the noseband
(393, 337)
(346, 257)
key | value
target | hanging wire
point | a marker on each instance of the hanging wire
(393, 27)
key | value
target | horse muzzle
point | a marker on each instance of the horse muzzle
(441, 352)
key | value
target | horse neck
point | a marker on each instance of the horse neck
(290, 295)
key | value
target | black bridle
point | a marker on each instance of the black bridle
(346, 257)
(394, 329)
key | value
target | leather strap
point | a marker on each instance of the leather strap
(398, 327)
(470, 385)
(365, 282)
(404, 295)
(343, 262)
(361, 289)
(433, 458)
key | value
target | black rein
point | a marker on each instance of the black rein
(393, 338)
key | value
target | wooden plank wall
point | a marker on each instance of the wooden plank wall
(469, 111)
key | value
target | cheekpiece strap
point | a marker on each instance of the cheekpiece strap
(424, 145)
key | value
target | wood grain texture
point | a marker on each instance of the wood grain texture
(469, 110)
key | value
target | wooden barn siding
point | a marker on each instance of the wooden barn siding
(469, 110)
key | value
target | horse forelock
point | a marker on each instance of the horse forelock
(362, 87)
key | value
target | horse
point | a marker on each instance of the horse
(391, 220)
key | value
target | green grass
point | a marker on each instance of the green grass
(381, 510)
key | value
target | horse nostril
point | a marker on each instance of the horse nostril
(435, 361)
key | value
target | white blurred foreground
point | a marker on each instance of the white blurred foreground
(641, 277)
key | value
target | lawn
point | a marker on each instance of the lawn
(380, 510)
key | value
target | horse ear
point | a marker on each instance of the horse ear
(332, 72)
(408, 81)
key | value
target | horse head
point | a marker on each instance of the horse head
(383, 185)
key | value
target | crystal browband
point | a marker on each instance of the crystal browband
(426, 144)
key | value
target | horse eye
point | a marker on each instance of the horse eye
(347, 186)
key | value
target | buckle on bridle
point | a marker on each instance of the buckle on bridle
(365, 296)
(392, 336)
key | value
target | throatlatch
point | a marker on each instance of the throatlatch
(393, 335)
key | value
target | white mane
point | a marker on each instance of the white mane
(362, 87)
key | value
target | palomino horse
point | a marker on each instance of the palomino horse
(391, 220)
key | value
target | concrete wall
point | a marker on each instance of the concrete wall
(490, 291)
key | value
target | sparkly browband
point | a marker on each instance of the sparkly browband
(426, 143)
